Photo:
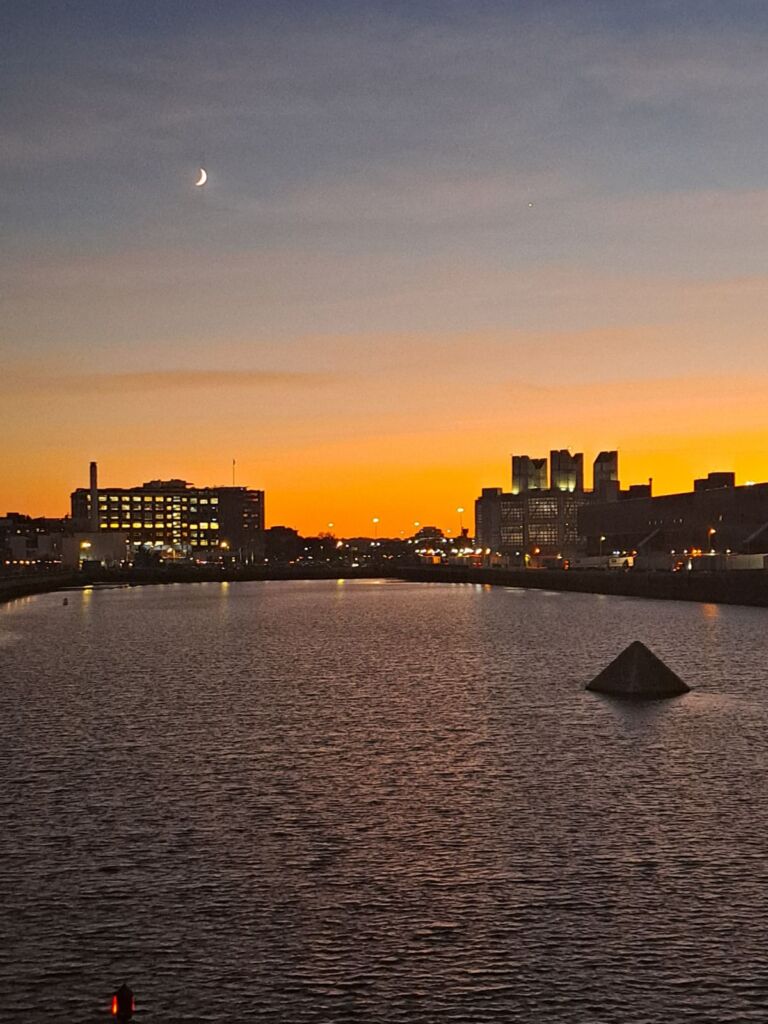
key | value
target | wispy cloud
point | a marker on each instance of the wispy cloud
(147, 382)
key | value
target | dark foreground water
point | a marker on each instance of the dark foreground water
(364, 801)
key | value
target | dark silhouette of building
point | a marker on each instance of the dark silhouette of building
(31, 542)
(566, 471)
(545, 521)
(606, 476)
(715, 516)
(536, 520)
(714, 480)
(282, 544)
(528, 474)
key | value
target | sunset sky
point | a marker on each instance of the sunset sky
(434, 234)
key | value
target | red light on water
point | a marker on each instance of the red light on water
(114, 1006)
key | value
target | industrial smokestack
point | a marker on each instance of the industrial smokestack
(94, 520)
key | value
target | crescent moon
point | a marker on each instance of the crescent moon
(203, 177)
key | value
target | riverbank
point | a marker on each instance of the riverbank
(13, 587)
(743, 587)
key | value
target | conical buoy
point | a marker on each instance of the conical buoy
(637, 672)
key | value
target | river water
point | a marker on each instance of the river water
(379, 801)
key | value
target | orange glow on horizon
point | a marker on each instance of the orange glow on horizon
(404, 448)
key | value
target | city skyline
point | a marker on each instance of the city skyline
(429, 237)
(451, 519)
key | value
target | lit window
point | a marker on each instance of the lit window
(214, 501)
(214, 526)
(203, 526)
(147, 497)
(137, 526)
(102, 497)
(203, 501)
(114, 526)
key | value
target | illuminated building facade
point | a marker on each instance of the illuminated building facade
(532, 523)
(539, 520)
(176, 517)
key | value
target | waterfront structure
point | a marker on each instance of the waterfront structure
(638, 673)
(282, 544)
(31, 542)
(176, 518)
(534, 523)
(105, 548)
(715, 516)
(533, 520)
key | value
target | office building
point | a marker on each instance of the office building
(535, 520)
(176, 518)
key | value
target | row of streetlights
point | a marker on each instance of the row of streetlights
(376, 520)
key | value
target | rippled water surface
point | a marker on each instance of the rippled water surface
(379, 801)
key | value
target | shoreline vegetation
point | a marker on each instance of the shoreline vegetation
(745, 587)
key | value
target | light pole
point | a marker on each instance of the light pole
(602, 538)
(460, 510)
(710, 534)
(375, 521)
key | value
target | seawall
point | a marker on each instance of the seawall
(741, 587)
(12, 587)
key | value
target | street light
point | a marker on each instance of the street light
(375, 527)
(710, 534)
(602, 538)
(460, 510)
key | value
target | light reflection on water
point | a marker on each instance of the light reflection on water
(379, 801)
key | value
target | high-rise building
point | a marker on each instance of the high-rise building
(528, 474)
(606, 476)
(174, 515)
(566, 471)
